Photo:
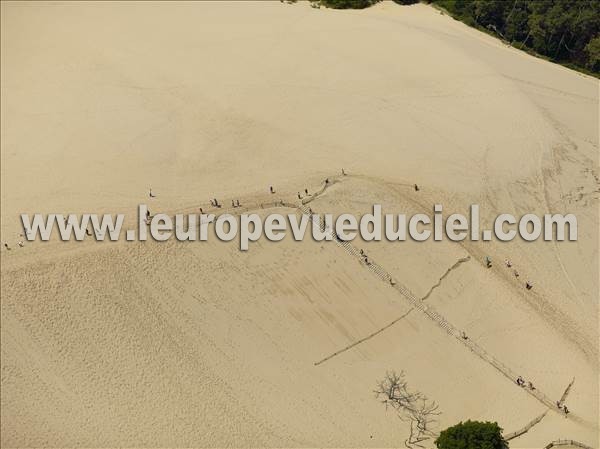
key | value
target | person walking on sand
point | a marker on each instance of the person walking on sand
(488, 262)
(271, 189)
(416, 188)
(566, 410)
(299, 196)
(151, 194)
(528, 285)
(306, 191)
(343, 172)
(6, 246)
(238, 203)
(201, 211)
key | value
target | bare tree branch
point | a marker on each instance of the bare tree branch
(412, 407)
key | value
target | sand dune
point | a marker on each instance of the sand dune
(198, 344)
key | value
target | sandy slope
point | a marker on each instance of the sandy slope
(175, 344)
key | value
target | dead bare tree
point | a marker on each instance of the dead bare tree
(393, 392)
(412, 407)
(423, 420)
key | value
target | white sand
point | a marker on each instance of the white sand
(197, 344)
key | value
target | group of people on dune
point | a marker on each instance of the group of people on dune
(508, 263)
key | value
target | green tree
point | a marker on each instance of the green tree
(564, 31)
(561, 30)
(516, 27)
(490, 12)
(348, 4)
(592, 50)
(472, 435)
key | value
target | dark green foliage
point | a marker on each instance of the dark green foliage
(565, 31)
(562, 30)
(348, 4)
(472, 435)
(592, 50)
(359, 4)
